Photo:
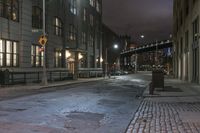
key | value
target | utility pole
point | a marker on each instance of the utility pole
(106, 63)
(44, 76)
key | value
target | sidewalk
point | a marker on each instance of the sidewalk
(11, 90)
(175, 110)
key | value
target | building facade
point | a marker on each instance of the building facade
(186, 40)
(73, 27)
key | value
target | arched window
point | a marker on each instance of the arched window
(57, 26)
(36, 17)
(9, 9)
(15, 10)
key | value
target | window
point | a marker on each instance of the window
(1, 8)
(9, 9)
(186, 7)
(1, 53)
(57, 27)
(181, 18)
(8, 53)
(181, 45)
(84, 39)
(91, 41)
(72, 33)
(58, 58)
(92, 3)
(37, 56)
(73, 7)
(98, 6)
(195, 29)
(186, 41)
(92, 61)
(84, 14)
(36, 17)
(91, 20)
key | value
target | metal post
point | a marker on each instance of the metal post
(44, 76)
(106, 63)
(135, 62)
(76, 63)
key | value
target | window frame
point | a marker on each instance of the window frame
(13, 54)
(58, 27)
(9, 8)
(36, 54)
(37, 18)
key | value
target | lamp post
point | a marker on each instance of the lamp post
(44, 76)
(106, 61)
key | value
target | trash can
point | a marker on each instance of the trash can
(157, 79)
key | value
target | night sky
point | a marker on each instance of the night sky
(151, 18)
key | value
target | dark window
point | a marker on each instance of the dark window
(92, 61)
(72, 33)
(9, 53)
(181, 45)
(37, 56)
(36, 17)
(186, 7)
(9, 9)
(195, 29)
(186, 41)
(84, 40)
(57, 26)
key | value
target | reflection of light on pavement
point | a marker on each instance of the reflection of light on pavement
(137, 80)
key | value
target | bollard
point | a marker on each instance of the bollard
(151, 89)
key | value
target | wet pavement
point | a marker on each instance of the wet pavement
(105, 106)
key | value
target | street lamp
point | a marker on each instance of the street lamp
(115, 46)
(142, 36)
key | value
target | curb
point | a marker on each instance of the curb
(7, 90)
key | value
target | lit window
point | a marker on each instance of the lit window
(1, 53)
(8, 53)
(72, 33)
(97, 6)
(57, 26)
(92, 3)
(37, 56)
(58, 58)
(9, 9)
(73, 7)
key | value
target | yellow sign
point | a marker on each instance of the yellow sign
(43, 40)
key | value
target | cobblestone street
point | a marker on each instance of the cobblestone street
(167, 114)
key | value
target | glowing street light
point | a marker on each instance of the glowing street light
(142, 36)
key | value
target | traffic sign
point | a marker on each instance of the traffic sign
(43, 40)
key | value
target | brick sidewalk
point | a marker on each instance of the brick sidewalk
(158, 115)
(169, 112)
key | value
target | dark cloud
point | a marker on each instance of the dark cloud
(153, 18)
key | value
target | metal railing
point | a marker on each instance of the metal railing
(35, 77)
